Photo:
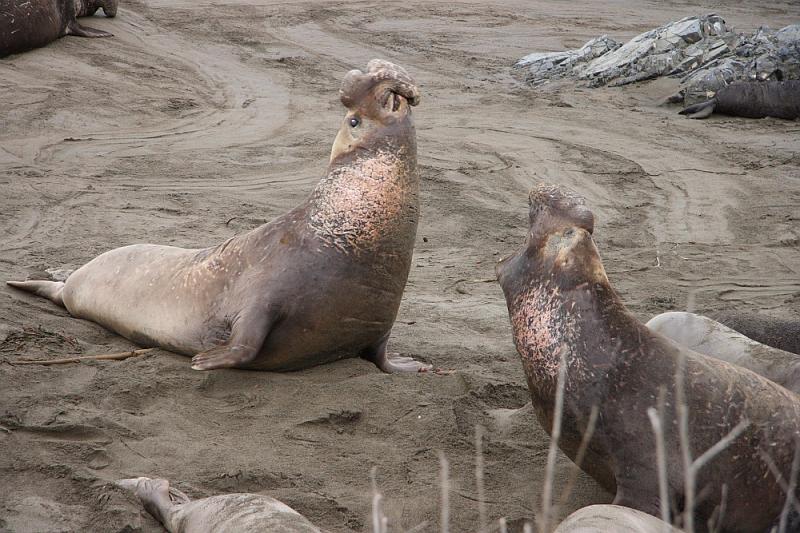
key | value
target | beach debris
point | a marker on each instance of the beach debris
(702, 51)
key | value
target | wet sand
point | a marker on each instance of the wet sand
(198, 121)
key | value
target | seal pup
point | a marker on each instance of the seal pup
(781, 333)
(779, 99)
(612, 519)
(709, 337)
(29, 24)
(561, 304)
(223, 513)
(320, 283)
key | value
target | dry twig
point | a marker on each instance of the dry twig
(100, 357)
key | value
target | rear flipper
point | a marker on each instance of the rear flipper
(701, 110)
(52, 290)
(158, 498)
(83, 31)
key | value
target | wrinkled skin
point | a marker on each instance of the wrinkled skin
(560, 301)
(28, 24)
(225, 513)
(778, 99)
(709, 337)
(320, 283)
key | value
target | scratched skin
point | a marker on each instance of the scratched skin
(320, 283)
(560, 301)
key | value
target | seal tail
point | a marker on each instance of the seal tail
(701, 110)
(52, 290)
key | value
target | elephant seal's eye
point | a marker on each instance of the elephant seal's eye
(569, 233)
(354, 122)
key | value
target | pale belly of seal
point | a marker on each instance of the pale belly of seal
(162, 296)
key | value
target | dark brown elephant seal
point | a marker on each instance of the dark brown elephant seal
(752, 99)
(781, 333)
(28, 24)
(709, 337)
(560, 301)
(225, 513)
(320, 283)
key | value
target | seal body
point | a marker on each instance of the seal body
(781, 333)
(561, 304)
(28, 24)
(320, 283)
(709, 337)
(225, 513)
(612, 519)
(779, 99)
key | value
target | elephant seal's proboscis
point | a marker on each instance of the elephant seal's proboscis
(320, 283)
(562, 305)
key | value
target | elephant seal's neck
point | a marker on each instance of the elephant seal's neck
(367, 201)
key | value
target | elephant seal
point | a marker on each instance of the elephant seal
(779, 99)
(29, 24)
(320, 283)
(223, 513)
(612, 519)
(709, 337)
(561, 304)
(781, 333)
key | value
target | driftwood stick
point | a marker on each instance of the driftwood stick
(100, 357)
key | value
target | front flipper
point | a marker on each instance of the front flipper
(701, 110)
(247, 336)
(83, 31)
(393, 363)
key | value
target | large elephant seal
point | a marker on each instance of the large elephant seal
(561, 304)
(218, 514)
(709, 337)
(779, 99)
(612, 519)
(320, 283)
(781, 333)
(28, 24)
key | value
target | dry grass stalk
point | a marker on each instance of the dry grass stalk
(444, 481)
(579, 457)
(378, 520)
(502, 525)
(657, 421)
(479, 485)
(555, 436)
(692, 467)
(787, 506)
(779, 477)
(100, 357)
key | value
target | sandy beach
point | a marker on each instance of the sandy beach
(200, 120)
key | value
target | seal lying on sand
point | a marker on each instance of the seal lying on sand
(320, 283)
(709, 337)
(779, 99)
(612, 519)
(781, 333)
(224, 513)
(561, 303)
(33, 23)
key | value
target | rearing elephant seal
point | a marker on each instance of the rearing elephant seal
(779, 99)
(560, 301)
(320, 283)
(28, 24)
(225, 513)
